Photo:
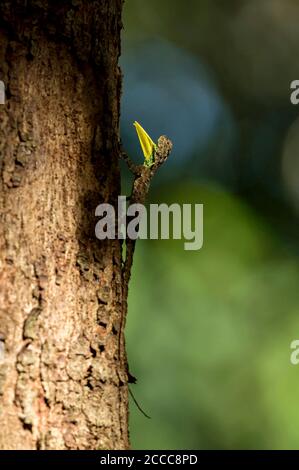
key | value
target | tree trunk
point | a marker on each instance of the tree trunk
(60, 288)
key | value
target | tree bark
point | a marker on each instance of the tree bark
(60, 288)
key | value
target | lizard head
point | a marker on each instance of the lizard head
(163, 150)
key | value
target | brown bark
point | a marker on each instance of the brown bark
(60, 288)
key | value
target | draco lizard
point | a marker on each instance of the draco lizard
(155, 156)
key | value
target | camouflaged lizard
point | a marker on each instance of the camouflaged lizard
(155, 156)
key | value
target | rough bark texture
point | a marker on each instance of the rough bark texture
(60, 288)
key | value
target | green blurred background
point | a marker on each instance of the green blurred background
(209, 331)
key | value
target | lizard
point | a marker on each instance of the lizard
(155, 156)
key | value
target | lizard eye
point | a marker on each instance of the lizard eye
(147, 144)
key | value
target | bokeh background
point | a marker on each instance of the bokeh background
(209, 332)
